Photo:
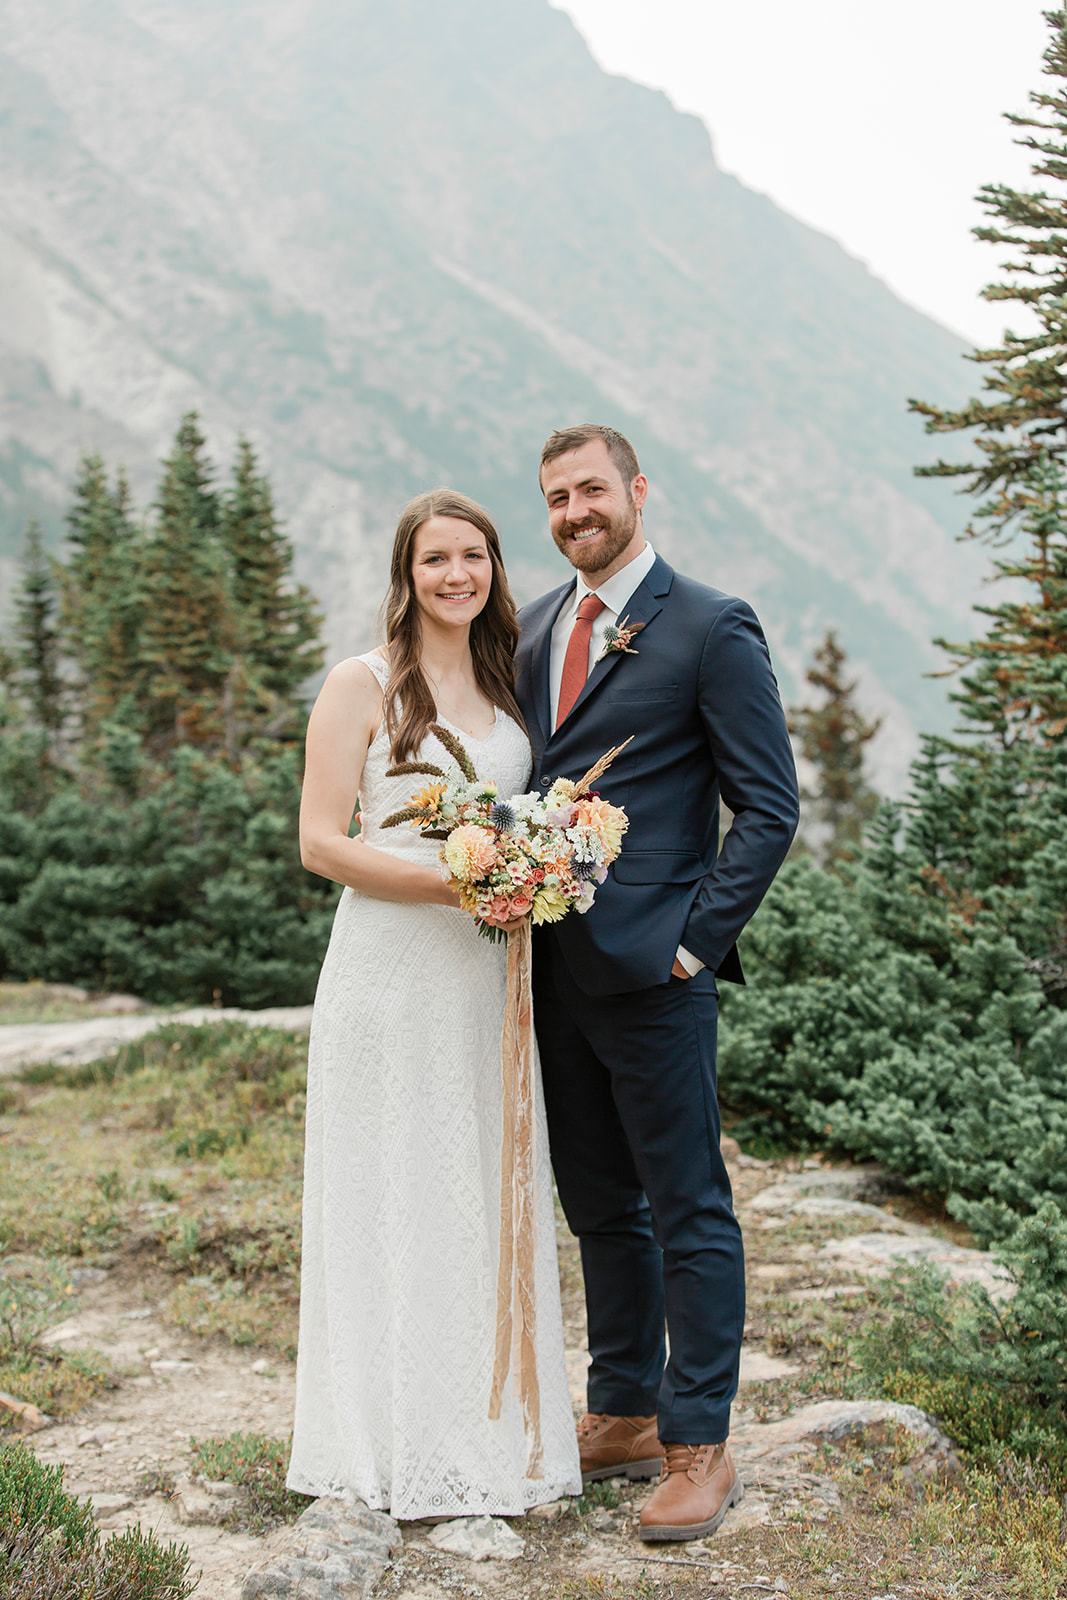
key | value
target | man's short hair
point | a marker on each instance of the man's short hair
(619, 448)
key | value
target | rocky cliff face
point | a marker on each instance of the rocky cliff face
(397, 243)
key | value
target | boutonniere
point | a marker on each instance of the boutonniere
(617, 640)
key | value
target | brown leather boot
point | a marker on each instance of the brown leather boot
(618, 1447)
(697, 1487)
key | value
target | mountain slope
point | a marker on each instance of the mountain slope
(397, 244)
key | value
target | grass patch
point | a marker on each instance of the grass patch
(58, 1382)
(258, 1464)
(33, 1295)
(602, 1496)
(39, 1002)
(185, 1147)
(977, 1533)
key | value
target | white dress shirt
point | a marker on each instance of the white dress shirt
(615, 595)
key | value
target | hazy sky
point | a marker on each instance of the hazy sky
(875, 123)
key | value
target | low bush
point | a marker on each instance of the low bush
(882, 1023)
(993, 1370)
(189, 892)
(50, 1548)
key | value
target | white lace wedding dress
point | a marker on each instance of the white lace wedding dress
(402, 1200)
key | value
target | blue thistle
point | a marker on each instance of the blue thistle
(502, 816)
(583, 870)
(611, 634)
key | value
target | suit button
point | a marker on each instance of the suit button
(544, 778)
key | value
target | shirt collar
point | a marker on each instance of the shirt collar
(618, 591)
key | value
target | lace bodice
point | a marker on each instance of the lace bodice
(504, 755)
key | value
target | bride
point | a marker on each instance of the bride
(402, 1161)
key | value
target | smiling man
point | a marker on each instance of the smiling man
(625, 998)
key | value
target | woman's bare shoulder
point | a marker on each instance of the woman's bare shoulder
(354, 672)
(351, 689)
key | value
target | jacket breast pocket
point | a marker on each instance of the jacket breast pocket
(632, 693)
(658, 866)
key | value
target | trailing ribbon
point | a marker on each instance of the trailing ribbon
(516, 1306)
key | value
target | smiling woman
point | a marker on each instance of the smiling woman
(404, 1120)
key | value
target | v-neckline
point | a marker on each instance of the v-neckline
(463, 732)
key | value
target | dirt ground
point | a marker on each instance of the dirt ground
(813, 1234)
(131, 1444)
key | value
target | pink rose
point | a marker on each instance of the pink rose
(521, 905)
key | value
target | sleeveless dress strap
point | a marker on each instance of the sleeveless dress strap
(378, 665)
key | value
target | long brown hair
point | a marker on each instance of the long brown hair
(409, 705)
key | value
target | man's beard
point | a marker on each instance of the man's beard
(597, 555)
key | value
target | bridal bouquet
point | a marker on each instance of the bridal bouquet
(528, 856)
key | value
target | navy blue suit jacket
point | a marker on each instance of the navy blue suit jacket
(702, 703)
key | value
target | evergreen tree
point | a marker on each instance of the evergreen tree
(164, 858)
(102, 597)
(188, 634)
(1023, 413)
(37, 651)
(1017, 688)
(279, 624)
(833, 735)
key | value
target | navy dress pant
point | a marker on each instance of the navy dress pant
(633, 1120)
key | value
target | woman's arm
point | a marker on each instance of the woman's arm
(343, 723)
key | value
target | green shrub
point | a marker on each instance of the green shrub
(994, 1372)
(883, 1023)
(50, 1548)
(188, 892)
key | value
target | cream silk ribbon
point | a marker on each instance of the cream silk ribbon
(516, 1306)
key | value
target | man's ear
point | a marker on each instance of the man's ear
(639, 490)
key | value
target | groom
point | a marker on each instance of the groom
(625, 1000)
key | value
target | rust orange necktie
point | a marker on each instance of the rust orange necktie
(576, 661)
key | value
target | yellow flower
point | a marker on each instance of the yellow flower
(549, 905)
(469, 853)
(430, 797)
(468, 896)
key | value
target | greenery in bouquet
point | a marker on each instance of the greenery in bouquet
(531, 856)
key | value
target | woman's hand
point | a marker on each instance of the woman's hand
(506, 927)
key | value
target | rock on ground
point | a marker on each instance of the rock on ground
(875, 1254)
(479, 1539)
(337, 1550)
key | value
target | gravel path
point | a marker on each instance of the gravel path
(71, 1044)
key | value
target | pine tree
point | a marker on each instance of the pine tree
(162, 857)
(1023, 414)
(279, 624)
(102, 596)
(37, 650)
(833, 735)
(188, 635)
(1017, 685)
